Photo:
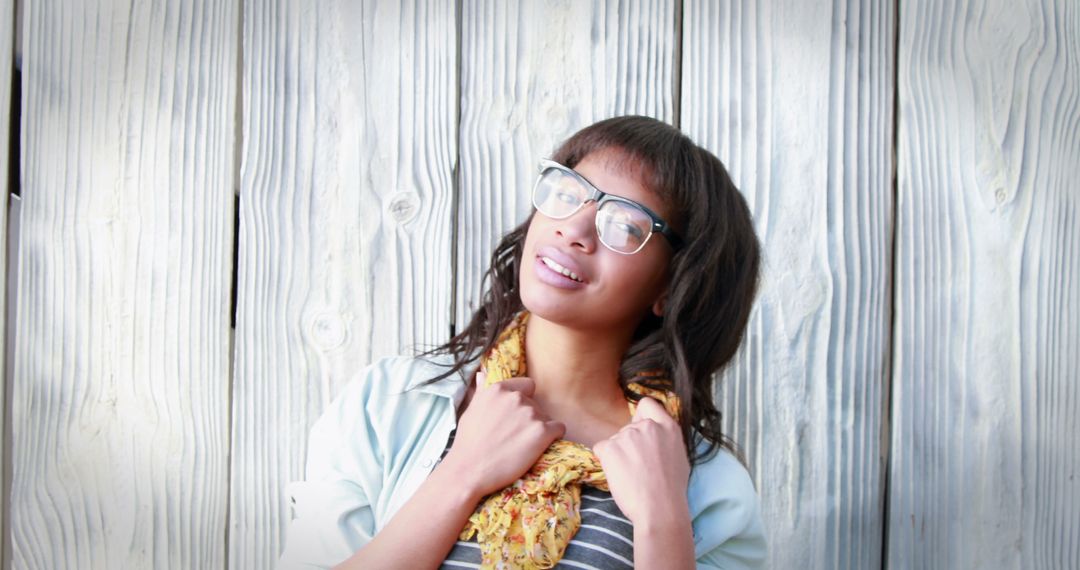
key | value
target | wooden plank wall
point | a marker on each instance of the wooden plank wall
(7, 55)
(796, 98)
(377, 150)
(120, 388)
(984, 446)
(345, 224)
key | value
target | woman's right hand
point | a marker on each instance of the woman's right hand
(500, 435)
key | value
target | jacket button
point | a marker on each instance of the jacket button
(427, 463)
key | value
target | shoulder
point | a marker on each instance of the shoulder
(389, 382)
(364, 456)
(726, 513)
(392, 376)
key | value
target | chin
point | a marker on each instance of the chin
(547, 305)
(551, 304)
(554, 313)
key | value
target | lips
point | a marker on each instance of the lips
(561, 263)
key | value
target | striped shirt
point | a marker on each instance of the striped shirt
(605, 539)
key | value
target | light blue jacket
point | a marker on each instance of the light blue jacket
(380, 438)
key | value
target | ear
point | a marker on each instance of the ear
(661, 301)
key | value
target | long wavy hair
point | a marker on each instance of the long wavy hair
(713, 277)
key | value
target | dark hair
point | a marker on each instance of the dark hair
(713, 279)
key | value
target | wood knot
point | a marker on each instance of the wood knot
(327, 330)
(404, 206)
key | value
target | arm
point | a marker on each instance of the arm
(665, 539)
(331, 508)
(426, 527)
(500, 435)
(647, 471)
(714, 516)
(726, 511)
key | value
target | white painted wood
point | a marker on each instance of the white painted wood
(121, 349)
(7, 32)
(533, 73)
(121, 372)
(345, 224)
(12, 250)
(796, 99)
(987, 339)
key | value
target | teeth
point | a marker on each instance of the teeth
(555, 266)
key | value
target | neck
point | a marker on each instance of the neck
(574, 370)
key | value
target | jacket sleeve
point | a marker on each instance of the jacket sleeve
(332, 507)
(728, 531)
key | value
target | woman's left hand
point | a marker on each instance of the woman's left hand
(646, 466)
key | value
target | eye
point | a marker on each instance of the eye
(629, 228)
(566, 197)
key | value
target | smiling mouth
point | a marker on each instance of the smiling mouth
(560, 269)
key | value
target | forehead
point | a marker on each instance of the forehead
(614, 172)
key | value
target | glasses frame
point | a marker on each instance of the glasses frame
(600, 197)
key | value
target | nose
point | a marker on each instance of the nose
(579, 230)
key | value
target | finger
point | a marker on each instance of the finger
(481, 379)
(522, 384)
(605, 450)
(649, 408)
(557, 429)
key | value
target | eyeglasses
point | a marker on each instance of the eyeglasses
(623, 225)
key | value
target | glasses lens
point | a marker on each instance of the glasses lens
(557, 194)
(622, 226)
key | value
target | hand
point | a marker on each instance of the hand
(501, 434)
(646, 466)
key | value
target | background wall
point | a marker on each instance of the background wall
(225, 210)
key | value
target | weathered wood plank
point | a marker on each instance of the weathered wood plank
(796, 98)
(345, 224)
(12, 251)
(533, 73)
(121, 372)
(7, 33)
(988, 295)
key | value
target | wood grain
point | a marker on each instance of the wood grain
(533, 73)
(7, 32)
(987, 334)
(796, 98)
(121, 372)
(345, 224)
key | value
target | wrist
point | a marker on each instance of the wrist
(664, 539)
(665, 516)
(458, 481)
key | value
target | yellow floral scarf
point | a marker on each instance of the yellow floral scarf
(529, 524)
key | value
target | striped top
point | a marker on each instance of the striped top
(605, 539)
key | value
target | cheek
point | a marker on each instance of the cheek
(649, 278)
(536, 227)
(637, 282)
(526, 272)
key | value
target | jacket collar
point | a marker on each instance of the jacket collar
(452, 387)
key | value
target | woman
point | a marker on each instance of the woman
(572, 422)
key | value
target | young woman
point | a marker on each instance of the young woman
(572, 422)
